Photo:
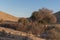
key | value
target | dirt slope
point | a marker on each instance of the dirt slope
(5, 16)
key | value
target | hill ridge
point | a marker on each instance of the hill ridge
(6, 16)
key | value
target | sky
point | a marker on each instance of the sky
(24, 8)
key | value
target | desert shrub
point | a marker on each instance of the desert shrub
(23, 20)
(45, 15)
(50, 19)
(53, 19)
(24, 24)
(36, 16)
(36, 28)
(51, 33)
(35, 24)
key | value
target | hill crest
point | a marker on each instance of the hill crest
(5, 16)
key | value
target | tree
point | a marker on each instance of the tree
(43, 15)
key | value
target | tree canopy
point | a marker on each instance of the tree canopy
(44, 15)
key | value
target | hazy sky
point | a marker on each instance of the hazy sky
(24, 8)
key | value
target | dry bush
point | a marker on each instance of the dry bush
(36, 16)
(45, 15)
(23, 20)
(50, 19)
(37, 29)
(45, 12)
(51, 34)
(33, 28)
(24, 24)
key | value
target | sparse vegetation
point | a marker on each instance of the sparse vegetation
(52, 34)
(38, 18)
(36, 24)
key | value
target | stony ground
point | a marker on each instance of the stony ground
(9, 34)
